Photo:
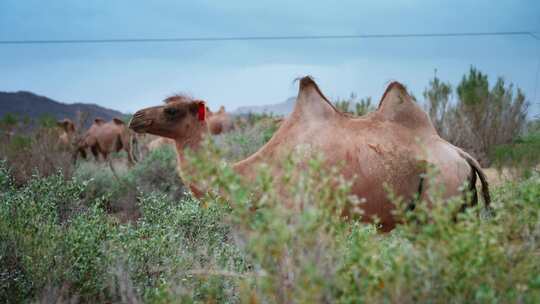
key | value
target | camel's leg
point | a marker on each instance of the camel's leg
(131, 162)
(82, 151)
(113, 170)
(95, 152)
(105, 156)
(134, 148)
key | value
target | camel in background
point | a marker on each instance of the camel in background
(103, 138)
(220, 122)
(390, 146)
(67, 134)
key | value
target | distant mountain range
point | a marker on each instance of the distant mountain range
(281, 109)
(27, 104)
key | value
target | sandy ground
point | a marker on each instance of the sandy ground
(494, 177)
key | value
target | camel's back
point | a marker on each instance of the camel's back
(108, 136)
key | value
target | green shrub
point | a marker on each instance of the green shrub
(359, 107)
(172, 243)
(240, 244)
(483, 115)
(155, 173)
(87, 256)
(246, 140)
(31, 233)
(521, 157)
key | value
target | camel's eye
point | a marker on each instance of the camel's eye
(174, 112)
(171, 111)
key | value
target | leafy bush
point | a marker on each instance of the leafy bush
(120, 188)
(175, 246)
(521, 157)
(31, 236)
(360, 107)
(246, 140)
(87, 257)
(481, 117)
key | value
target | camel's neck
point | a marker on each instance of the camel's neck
(193, 143)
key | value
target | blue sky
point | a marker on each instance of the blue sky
(131, 76)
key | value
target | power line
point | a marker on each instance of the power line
(533, 35)
(262, 38)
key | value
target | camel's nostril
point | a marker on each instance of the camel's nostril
(139, 122)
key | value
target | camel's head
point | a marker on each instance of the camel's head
(179, 118)
(67, 125)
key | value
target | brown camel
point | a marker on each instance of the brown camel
(219, 122)
(67, 134)
(107, 137)
(89, 140)
(390, 146)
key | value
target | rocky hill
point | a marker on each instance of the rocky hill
(29, 105)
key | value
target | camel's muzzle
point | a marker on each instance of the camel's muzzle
(139, 122)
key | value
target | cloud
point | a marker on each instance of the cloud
(129, 76)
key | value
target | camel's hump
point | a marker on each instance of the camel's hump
(398, 106)
(118, 121)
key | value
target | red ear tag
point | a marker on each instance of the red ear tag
(202, 111)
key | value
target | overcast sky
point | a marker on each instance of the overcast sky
(128, 77)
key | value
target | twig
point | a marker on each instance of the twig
(223, 273)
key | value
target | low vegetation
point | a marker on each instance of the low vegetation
(521, 157)
(35, 152)
(58, 242)
(82, 233)
(355, 106)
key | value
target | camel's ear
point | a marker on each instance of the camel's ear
(397, 105)
(118, 121)
(198, 107)
(201, 112)
(221, 109)
(311, 103)
(99, 121)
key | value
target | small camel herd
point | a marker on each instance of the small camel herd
(390, 147)
(103, 138)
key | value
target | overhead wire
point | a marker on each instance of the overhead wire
(531, 34)
(262, 38)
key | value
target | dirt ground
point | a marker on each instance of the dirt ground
(495, 178)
